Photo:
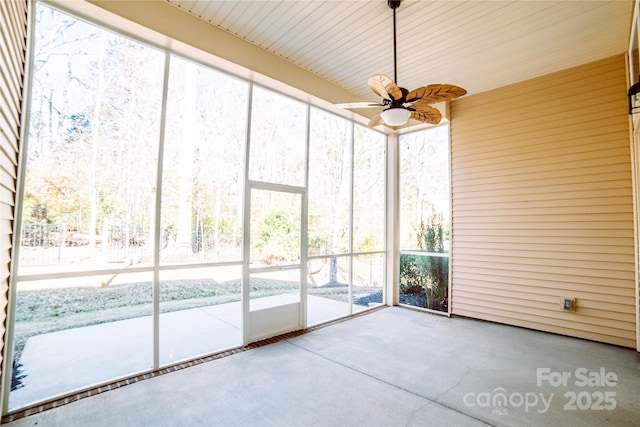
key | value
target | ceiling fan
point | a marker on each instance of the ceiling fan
(401, 104)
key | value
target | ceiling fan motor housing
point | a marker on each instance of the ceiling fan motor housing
(394, 4)
(418, 101)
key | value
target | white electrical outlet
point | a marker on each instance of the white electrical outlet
(568, 304)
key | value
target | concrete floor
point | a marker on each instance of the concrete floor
(81, 357)
(387, 368)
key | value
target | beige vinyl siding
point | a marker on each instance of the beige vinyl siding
(13, 24)
(543, 206)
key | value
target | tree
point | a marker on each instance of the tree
(95, 121)
(186, 157)
(369, 174)
(279, 237)
(203, 162)
(329, 186)
(434, 269)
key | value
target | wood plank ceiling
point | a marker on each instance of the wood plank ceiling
(479, 45)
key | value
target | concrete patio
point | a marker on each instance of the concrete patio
(391, 367)
(61, 362)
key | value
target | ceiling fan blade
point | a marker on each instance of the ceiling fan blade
(426, 114)
(358, 105)
(376, 120)
(384, 87)
(435, 93)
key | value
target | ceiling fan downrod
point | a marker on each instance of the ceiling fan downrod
(418, 101)
(394, 4)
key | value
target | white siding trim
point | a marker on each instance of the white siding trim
(13, 45)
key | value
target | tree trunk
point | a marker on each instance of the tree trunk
(185, 161)
(95, 134)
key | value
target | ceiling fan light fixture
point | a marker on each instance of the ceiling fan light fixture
(396, 116)
(401, 104)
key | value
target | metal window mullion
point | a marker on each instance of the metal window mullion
(272, 186)
(351, 221)
(304, 224)
(392, 264)
(386, 215)
(157, 218)
(449, 263)
(272, 268)
(246, 223)
(424, 253)
(85, 273)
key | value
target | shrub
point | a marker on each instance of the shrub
(424, 273)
